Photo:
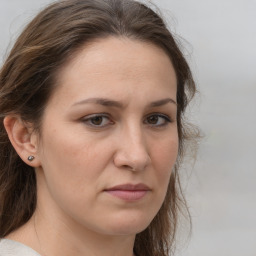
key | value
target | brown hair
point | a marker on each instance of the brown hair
(27, 79)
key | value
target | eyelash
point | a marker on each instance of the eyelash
(166, 119)
(88, 120)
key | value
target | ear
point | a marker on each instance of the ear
(23, 139)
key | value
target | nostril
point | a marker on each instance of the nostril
(129, 167)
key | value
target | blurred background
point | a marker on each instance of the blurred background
(219, 40)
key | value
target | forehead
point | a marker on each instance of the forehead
(111, 64)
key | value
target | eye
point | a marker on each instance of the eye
(157, 120)
(97, 120)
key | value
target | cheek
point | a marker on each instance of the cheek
(71, 162)
(165, 155)
(71, 172)
(163, 159)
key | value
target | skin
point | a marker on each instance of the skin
(87, 146)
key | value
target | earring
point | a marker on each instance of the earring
(31, 158)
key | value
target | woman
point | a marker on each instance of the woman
(93, 96)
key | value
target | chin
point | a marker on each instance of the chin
(126, 230)
(128, 225)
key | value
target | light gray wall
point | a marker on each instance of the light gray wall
(221, 47)
(223, 191)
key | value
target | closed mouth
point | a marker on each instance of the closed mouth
(129, 192)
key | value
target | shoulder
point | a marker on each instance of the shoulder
(13, 248)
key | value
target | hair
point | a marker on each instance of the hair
(28, 79)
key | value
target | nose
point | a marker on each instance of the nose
(132, 152)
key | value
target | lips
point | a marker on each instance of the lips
(129, 192)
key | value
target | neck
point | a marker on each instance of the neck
(51, 238)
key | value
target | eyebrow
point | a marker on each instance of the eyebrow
(101, 101)
(162, 102)
(117, 104)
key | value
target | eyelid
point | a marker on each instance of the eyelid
(159, 114)
(88, 118)
(167, 119)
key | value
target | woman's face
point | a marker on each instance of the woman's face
(109, 138)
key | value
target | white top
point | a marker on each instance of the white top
(13, 248)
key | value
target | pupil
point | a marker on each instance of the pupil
(153, 119)
(97, 120)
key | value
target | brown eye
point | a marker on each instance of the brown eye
(97, 120)
(157, 120)
(153, 119)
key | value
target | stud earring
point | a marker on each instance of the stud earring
(31, 158)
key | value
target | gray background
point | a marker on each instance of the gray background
(219, 40)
